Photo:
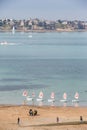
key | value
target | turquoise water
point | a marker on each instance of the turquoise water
(48, 62)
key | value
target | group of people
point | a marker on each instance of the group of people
(32, 113)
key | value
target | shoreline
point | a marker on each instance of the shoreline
(41, 106)
(45, 31)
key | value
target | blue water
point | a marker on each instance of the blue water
(48, 62)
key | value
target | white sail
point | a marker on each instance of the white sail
(64, 98)
(76, 96)
(52, 97)
(25, 93)
(13, 30)
(40, 96)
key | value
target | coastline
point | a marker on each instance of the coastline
(45, 118)
(46, 31)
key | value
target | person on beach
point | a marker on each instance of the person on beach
(57, 119)
(35, 112)
(81, 119)
(18, 121)
(31, 112)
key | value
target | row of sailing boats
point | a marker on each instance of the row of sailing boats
(52, 97)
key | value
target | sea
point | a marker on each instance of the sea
(43, 62)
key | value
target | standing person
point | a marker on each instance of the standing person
(57, 119)
(18, 121)
(81, 119)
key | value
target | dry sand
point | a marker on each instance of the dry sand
(44, 120)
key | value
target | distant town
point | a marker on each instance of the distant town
(42, 25)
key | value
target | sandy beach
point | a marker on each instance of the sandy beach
(45, 118)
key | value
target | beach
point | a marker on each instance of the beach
(46, 118)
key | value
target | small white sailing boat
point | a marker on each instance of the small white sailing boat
(30, 35)
(4, 43)
(30, 98)
(64, 98)
(76, 100)
(13, 30)
(40, 97)
(25, 93)
(52, 97)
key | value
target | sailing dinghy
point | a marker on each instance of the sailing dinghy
(64, 98)
(40, 98)
(76, 98)
(52, 97)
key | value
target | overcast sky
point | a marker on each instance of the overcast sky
(46, 9)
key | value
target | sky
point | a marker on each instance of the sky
(44, 9)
